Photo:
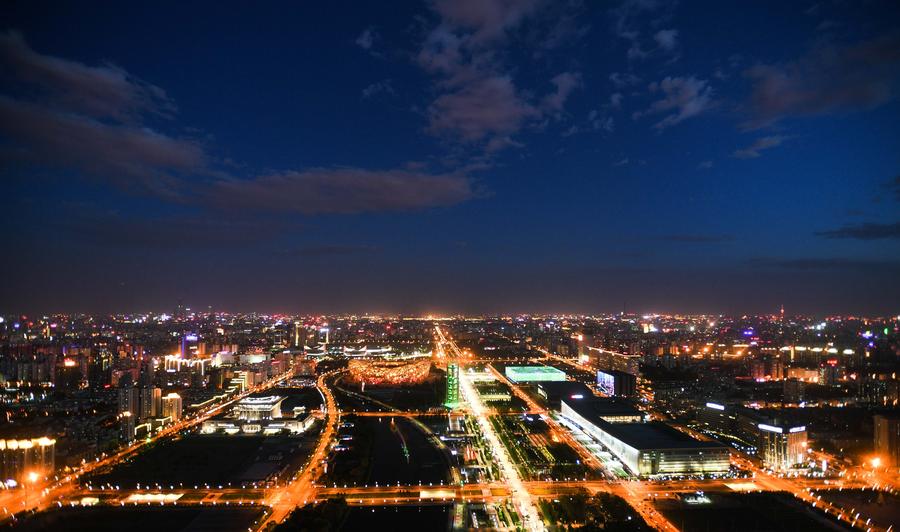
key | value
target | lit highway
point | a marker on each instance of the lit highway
(522, 500)
(301, 489)
(40, 496)
(650, 515)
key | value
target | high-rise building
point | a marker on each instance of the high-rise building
(887, 438)
(99, 368)
(145, 377)
(191, 346)
(452, 385)
(129, 399)
(782, 447)
(171, 406)
(180, 311)
(151, 402)
(299, 335)
(779, 443)
(126, 427)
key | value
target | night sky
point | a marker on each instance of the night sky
(472, 156)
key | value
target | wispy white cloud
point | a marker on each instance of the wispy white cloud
(764, 143)
(682, 98)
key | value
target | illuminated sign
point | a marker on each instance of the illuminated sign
(715, 406)
(577, 396)
(770, 428)
(798, 429)
(606, 382)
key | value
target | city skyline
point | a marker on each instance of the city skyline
(635, 423)
(451, 157)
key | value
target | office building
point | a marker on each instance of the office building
(782, 447)
(779, 443)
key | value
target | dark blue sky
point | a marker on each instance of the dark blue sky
(474, 156)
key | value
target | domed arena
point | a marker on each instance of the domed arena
(388, 372)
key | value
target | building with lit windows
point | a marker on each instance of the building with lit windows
(129, 399)
(260, 415)
(610, 360)
(779, 443)
(647, 449)
(782, 447)
(172, 407)
(297, 425)
(259, 408)
(176, 363)
(452, 385)
(126, 427)
(151, 402)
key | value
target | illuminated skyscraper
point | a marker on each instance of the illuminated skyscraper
(452, 386)
(129, 399)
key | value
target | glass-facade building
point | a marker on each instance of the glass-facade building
(452, 385)
(649, 449)
(780, 444)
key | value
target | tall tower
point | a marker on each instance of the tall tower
(781, 325)
(452, 385)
